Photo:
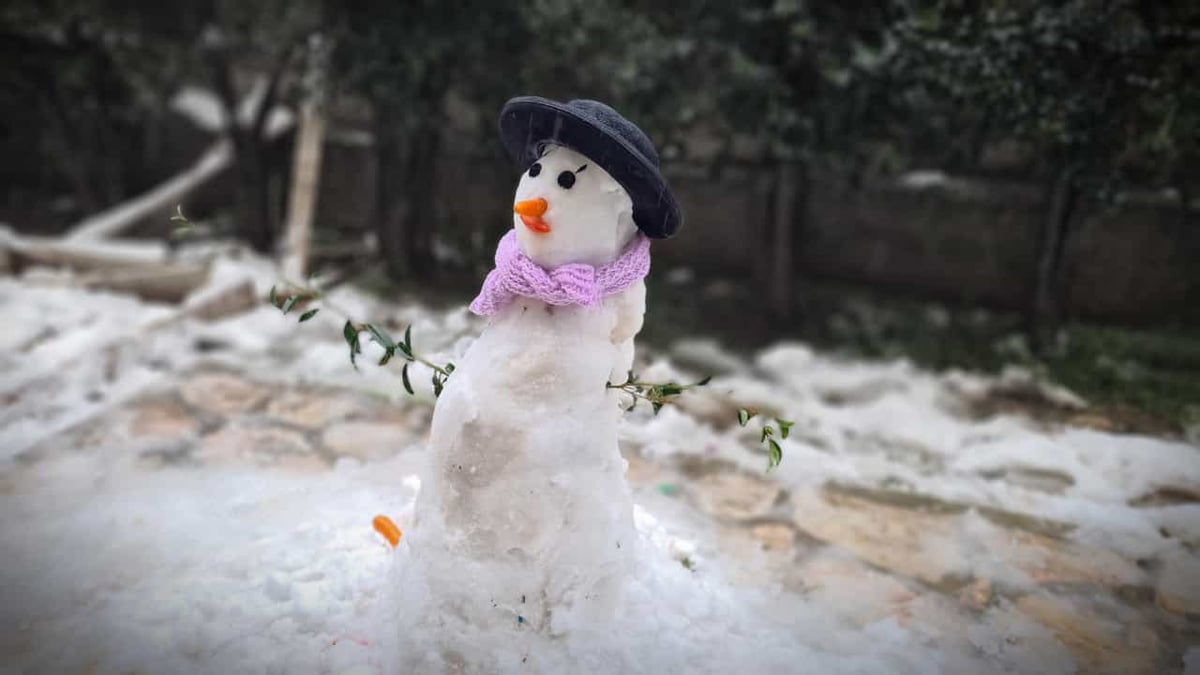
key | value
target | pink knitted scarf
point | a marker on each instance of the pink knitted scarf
(572, 284)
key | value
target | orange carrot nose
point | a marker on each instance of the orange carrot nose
(533, 208)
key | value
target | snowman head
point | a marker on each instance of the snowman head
(569, 210)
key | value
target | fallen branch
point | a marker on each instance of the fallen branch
(140, 268)
(167, 283)
(84, 256)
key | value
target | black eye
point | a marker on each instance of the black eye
(566, 179)
(535, 170)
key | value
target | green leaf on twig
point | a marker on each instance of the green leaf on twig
(785, 427)
(670, 389)
(350, 333)
(774, 454)
(387, 355)
(745, 415)
(308, 315)
(404, 378)
(381, 336)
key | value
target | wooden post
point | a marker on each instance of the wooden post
(306, 166)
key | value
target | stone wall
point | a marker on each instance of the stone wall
(1140, 261)
(978, 242)
(948, 241)
(942, 237)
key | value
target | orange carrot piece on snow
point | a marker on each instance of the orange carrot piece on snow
(385, 526)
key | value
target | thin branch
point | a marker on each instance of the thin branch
(308, 292)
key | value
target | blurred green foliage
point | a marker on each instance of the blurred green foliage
(1096, 85)
(1101, 88)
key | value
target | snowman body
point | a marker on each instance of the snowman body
(524, 523)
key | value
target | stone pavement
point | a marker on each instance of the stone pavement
(833, 543)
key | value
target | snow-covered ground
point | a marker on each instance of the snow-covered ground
(177, 496)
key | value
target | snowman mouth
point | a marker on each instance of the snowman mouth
(530, 211)
(535, 224)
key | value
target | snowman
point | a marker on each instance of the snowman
(523, 529)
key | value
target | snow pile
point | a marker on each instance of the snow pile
(55, 334)
(190, 571)
(891, 424)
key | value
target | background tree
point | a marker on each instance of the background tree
(1085, 82)
(262, 37)
(403, 59)
(86, 85)
(804, 80)
(102, 75)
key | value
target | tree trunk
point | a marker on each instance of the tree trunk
(109, 166)
(406, 182)
(71, 156)
(253, 198)
(1046, 309)
(253, 195)
(1180, 182)
(251, 145)
(420, 211)
(389, 227)
(782, 277)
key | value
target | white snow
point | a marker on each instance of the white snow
(112, 566)
(923, 179)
